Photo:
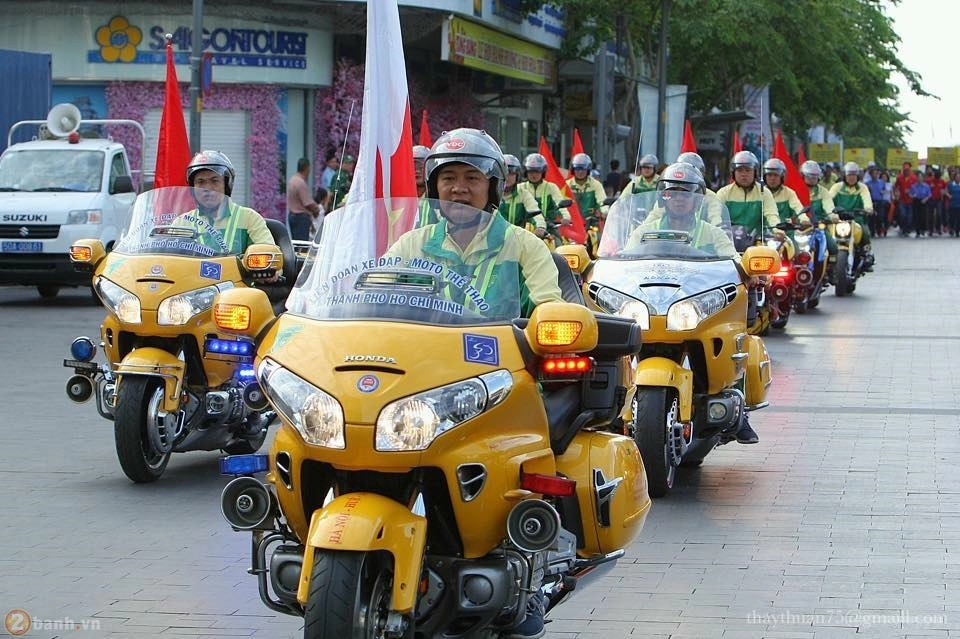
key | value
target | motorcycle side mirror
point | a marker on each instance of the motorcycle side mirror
(561, 327)
(786, 226)
(263, 260)
(610, 200)
(564, 203)
(242, 311)
(576, 256)
(760, 260)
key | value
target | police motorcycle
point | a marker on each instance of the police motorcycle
(810, 264)
(440, 460)
(699, 370)
(172, 381)
(852, 260)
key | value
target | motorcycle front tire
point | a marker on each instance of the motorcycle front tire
(655, 410)
(349, 595)
(139, 461)
(841, 279)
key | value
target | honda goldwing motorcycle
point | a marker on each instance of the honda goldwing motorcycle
(439, 461)
(744, 238)
(698, 370)
(851, 259)
(172, 382)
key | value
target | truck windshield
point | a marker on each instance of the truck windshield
(51, 170)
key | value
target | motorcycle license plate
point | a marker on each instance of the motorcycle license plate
(89, 367)
(21, 247)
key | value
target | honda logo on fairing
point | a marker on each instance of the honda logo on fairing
(24, 231)
(377, 359)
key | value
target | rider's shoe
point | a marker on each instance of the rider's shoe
(532, 625)
(746, 434)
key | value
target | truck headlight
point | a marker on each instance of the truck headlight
(686, 314)
(124, 304)
(412, 423)
(85, 216)
(316, 415)
(177, 310)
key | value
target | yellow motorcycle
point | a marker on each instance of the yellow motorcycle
(699, 369)
(173, 382)
(440, 460)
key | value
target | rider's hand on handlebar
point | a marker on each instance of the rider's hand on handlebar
(540, 232)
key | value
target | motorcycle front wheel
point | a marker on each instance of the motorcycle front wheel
(138, 404)
(349, 596)
(842, 281)
(656, 415)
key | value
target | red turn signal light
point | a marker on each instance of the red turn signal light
(549, 485)
(803, 257)
(565, 366)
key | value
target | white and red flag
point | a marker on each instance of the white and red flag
(385, 162)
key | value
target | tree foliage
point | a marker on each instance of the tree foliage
(826, 61)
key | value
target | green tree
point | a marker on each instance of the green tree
(827, 62)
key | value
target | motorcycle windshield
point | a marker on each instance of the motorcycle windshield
(183, 221)
(372, 263)
(667, 225)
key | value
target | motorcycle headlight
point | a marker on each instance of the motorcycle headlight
(412, 423)
(124, 304)
(177, 310)
(843, 229)
(316, 415)
(85, 216)
(686, 314)
(617, 303)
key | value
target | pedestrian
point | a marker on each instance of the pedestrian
(901, 194)
(301, 209)
(340, 185)
(920, 193)
(613, 183)
(887, 209)
(953, 204)
(331, 166)
(875, 186)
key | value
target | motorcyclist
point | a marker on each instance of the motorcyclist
(223, 224)
(587, 190)
(465, 166)
(425, 213)
(646, 180)
(518, 206)
(821, 202)
(788, 204)
(547, 194)
(750, 205)
(680, 192)
(852, 194)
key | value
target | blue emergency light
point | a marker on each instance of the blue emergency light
(228, 347)
(244, 464)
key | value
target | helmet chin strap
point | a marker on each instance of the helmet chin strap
(469, 224)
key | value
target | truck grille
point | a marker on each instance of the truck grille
(29, 231)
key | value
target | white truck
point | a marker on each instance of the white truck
(56, 191)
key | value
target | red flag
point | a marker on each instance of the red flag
(577, 143)
(575, 232)
(689, 143)
(801, 156)
(425, 138)
(173, 146)
(737, 147)
(384, 166)
(793, 179)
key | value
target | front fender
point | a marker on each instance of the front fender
(156, 362)
(368, 522)
(660, 371)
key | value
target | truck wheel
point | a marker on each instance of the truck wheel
(48, 291)
(138, 404)
(349, 596)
